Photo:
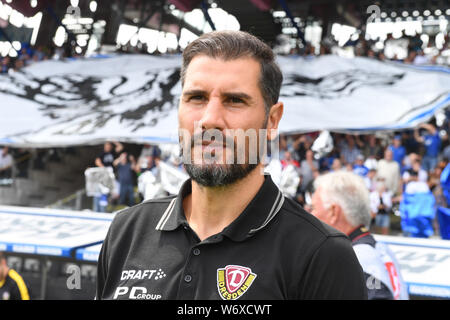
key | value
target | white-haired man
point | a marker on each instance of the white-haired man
(341, 200)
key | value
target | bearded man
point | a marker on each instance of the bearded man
(230, 233)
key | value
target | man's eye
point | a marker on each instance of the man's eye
(234, 100)
(196, 98)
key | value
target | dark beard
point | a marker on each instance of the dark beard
(218, 175)
(221, 175)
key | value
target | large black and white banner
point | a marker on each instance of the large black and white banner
(134, 98)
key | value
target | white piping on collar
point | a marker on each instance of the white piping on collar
(165, 217)
(273, 212)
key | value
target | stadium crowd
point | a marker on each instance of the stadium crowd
(406, 162)
(391, 164)
(406, 49)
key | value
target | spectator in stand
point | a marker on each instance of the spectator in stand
(288, 159)
(410, 58)
(146, 160)
(304, 198)
(326, 162)
(156, 168)
(389, 169)
(371, 180)
(372, 151)
(446, 153)
(5, 65)
(371, 163)
(283, 146)
(381, 205)
(107, 157)
(307, 168)
(434, 183)
(24, 56)
(126, 165)
(422, 175)
(398, 150)
(301, 145)
(415, 43)
(409, 142)
(146, 163)
(40, 54)
(350, 151)
(18, 64)
(6, 163)
(336, 165)
(409, 160)
(414, 185)
(339, 141)
(359, 168)
(432, 143)
(420, 58)
(149, 150)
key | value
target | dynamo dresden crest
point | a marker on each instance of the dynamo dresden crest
(234, 281)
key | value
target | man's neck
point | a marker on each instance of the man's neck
(209, 210)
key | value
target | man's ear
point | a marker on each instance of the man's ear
(275, 114)
(335, 214)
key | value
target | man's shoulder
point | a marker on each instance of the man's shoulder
(306, 224)
(148, 211)
(150, 204)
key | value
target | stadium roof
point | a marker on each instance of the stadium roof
(255, 16)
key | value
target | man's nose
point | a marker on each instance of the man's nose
(213, 115)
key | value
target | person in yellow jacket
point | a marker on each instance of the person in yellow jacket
(12, 286)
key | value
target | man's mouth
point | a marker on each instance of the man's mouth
(212, 146)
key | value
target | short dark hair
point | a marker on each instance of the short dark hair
(2, 256)
(230, 45)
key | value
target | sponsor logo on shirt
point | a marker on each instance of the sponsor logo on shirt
(233, 281)
(142, 274)
(138, 292)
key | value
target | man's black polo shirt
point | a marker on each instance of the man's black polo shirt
(273, 250)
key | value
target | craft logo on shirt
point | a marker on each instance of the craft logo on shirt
(233, 281)
(142, 274)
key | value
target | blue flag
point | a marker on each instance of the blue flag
(445, 183)
(417, 214)
(443, 215)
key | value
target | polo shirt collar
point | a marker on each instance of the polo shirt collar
(257, 215)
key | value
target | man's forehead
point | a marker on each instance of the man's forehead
(229, 76)
(204, 64)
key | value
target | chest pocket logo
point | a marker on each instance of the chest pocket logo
(233, 281)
